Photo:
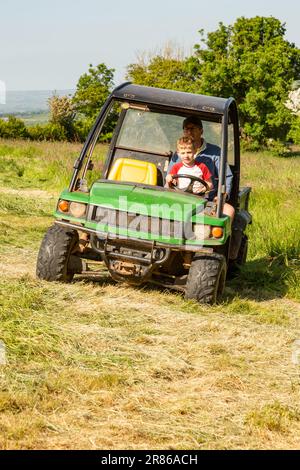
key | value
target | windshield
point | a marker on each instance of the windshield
(156, 132)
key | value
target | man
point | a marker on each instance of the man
(209, 154)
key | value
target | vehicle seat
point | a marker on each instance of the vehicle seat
(136, 171)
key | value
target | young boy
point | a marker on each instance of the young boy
(186, 150)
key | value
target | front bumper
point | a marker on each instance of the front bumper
(139, 242)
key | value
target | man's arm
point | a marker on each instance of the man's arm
(229, 175)
(229, 178)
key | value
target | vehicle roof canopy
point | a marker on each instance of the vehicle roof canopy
(174, 99)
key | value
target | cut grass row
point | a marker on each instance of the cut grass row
(139, 368)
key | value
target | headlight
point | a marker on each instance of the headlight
(217, 232)
(77, 209)
(201, 231)
(63, 206)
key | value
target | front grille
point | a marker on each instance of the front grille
(137, 222)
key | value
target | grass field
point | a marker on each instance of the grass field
(35, 118)
(98, 365)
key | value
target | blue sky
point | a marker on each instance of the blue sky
(48, 44)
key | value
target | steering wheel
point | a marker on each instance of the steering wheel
(189, 188)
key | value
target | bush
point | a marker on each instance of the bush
(62, 112)
(294, 133)
(50, 131)
(83, 126)
(277, 147)
(14, 128)
(274, 146)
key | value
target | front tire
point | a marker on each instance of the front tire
(206, 278)
(54, 254)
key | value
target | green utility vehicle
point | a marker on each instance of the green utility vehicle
(122, 215)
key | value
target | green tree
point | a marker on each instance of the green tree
(166, 69)
(162, 72)
(250, 60)
(93, 88)
(253, 62)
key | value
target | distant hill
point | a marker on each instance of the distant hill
(29, 102)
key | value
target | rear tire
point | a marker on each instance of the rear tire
(54, 254)
(206, 279)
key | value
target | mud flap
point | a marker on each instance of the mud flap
(241, 220)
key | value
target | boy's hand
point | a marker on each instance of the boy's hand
(198, 187)
(169, 180)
